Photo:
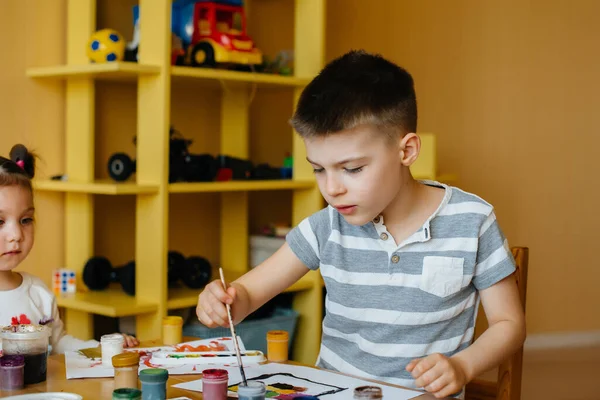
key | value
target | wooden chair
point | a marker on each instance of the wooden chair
(508, 385)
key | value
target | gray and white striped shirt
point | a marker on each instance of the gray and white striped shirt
(389, 303)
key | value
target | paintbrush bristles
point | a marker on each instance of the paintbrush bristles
(233, 334)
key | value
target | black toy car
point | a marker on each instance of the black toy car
(183, 166)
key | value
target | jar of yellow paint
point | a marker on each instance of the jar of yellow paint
(126, 367)
(277, 346)
(172, 327)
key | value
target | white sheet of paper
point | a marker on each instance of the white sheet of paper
(327, 385)
(79, 366)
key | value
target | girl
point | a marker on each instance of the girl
(25, 299)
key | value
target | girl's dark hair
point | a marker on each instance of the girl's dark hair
(18, 169)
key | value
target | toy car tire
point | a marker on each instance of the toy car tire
(120, 167)
(203, 55)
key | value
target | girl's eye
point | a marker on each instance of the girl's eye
(26, 221)
(353, 170)
(317, 170)
(1, 222)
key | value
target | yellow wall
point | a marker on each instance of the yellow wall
(509, 87)
(512, 90)
(33, 114)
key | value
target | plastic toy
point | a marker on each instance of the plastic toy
(98, 273)
(187, 167)
(210, 32)
(282, 64)
(106, 45)
(195, 271)
(63, 281)
(183, 166)
(288, 166)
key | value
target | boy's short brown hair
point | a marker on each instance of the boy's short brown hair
(354, 89)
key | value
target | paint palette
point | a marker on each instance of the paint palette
(205, 357)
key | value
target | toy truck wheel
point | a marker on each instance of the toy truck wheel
(203, 55)
(131, 54)
(120, 166)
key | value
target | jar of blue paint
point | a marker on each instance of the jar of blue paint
(154, 383)
(253, 391)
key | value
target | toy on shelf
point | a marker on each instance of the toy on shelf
(98, 273)
(106, 45)
(282, 64)
(187, 167)
(207, 34)
(194, 271)
(183, 166)
(63, 281)
(288, 167)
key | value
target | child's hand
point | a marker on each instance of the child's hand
(211, 309)
(438, 374)
(130, 341)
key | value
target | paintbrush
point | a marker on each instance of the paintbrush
(233, 334)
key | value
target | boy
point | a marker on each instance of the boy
(405, 262)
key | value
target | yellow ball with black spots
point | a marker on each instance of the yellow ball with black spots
(106, 45)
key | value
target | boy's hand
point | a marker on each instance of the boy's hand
(211, 309)
(130, 341)
(438, 374)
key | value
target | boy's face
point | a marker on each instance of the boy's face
(16, 225)
(359, 171)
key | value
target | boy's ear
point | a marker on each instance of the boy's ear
(410, 146)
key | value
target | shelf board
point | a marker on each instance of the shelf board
(185, 297)
(113, 71)
(214, 75)
(112, 302)
(96, 187)
(239, 186)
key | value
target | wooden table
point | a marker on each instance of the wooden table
(102, 388)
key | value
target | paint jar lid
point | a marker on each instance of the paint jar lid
(368, 392)
(112, 338)
(277, 336)
(172, 320)
(154, 375)
(216, 374)
(127, 394)
(253, 388)
(12, 361)
(128, 359)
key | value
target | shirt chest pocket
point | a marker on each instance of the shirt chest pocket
(442, 276)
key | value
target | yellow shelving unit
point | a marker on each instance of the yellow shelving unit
(153, 76)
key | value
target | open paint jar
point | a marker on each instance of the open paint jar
(214, 384)
(12, 372)
(31, 342)
(253, 391)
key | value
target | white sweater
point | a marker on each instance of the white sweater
(33, 303)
